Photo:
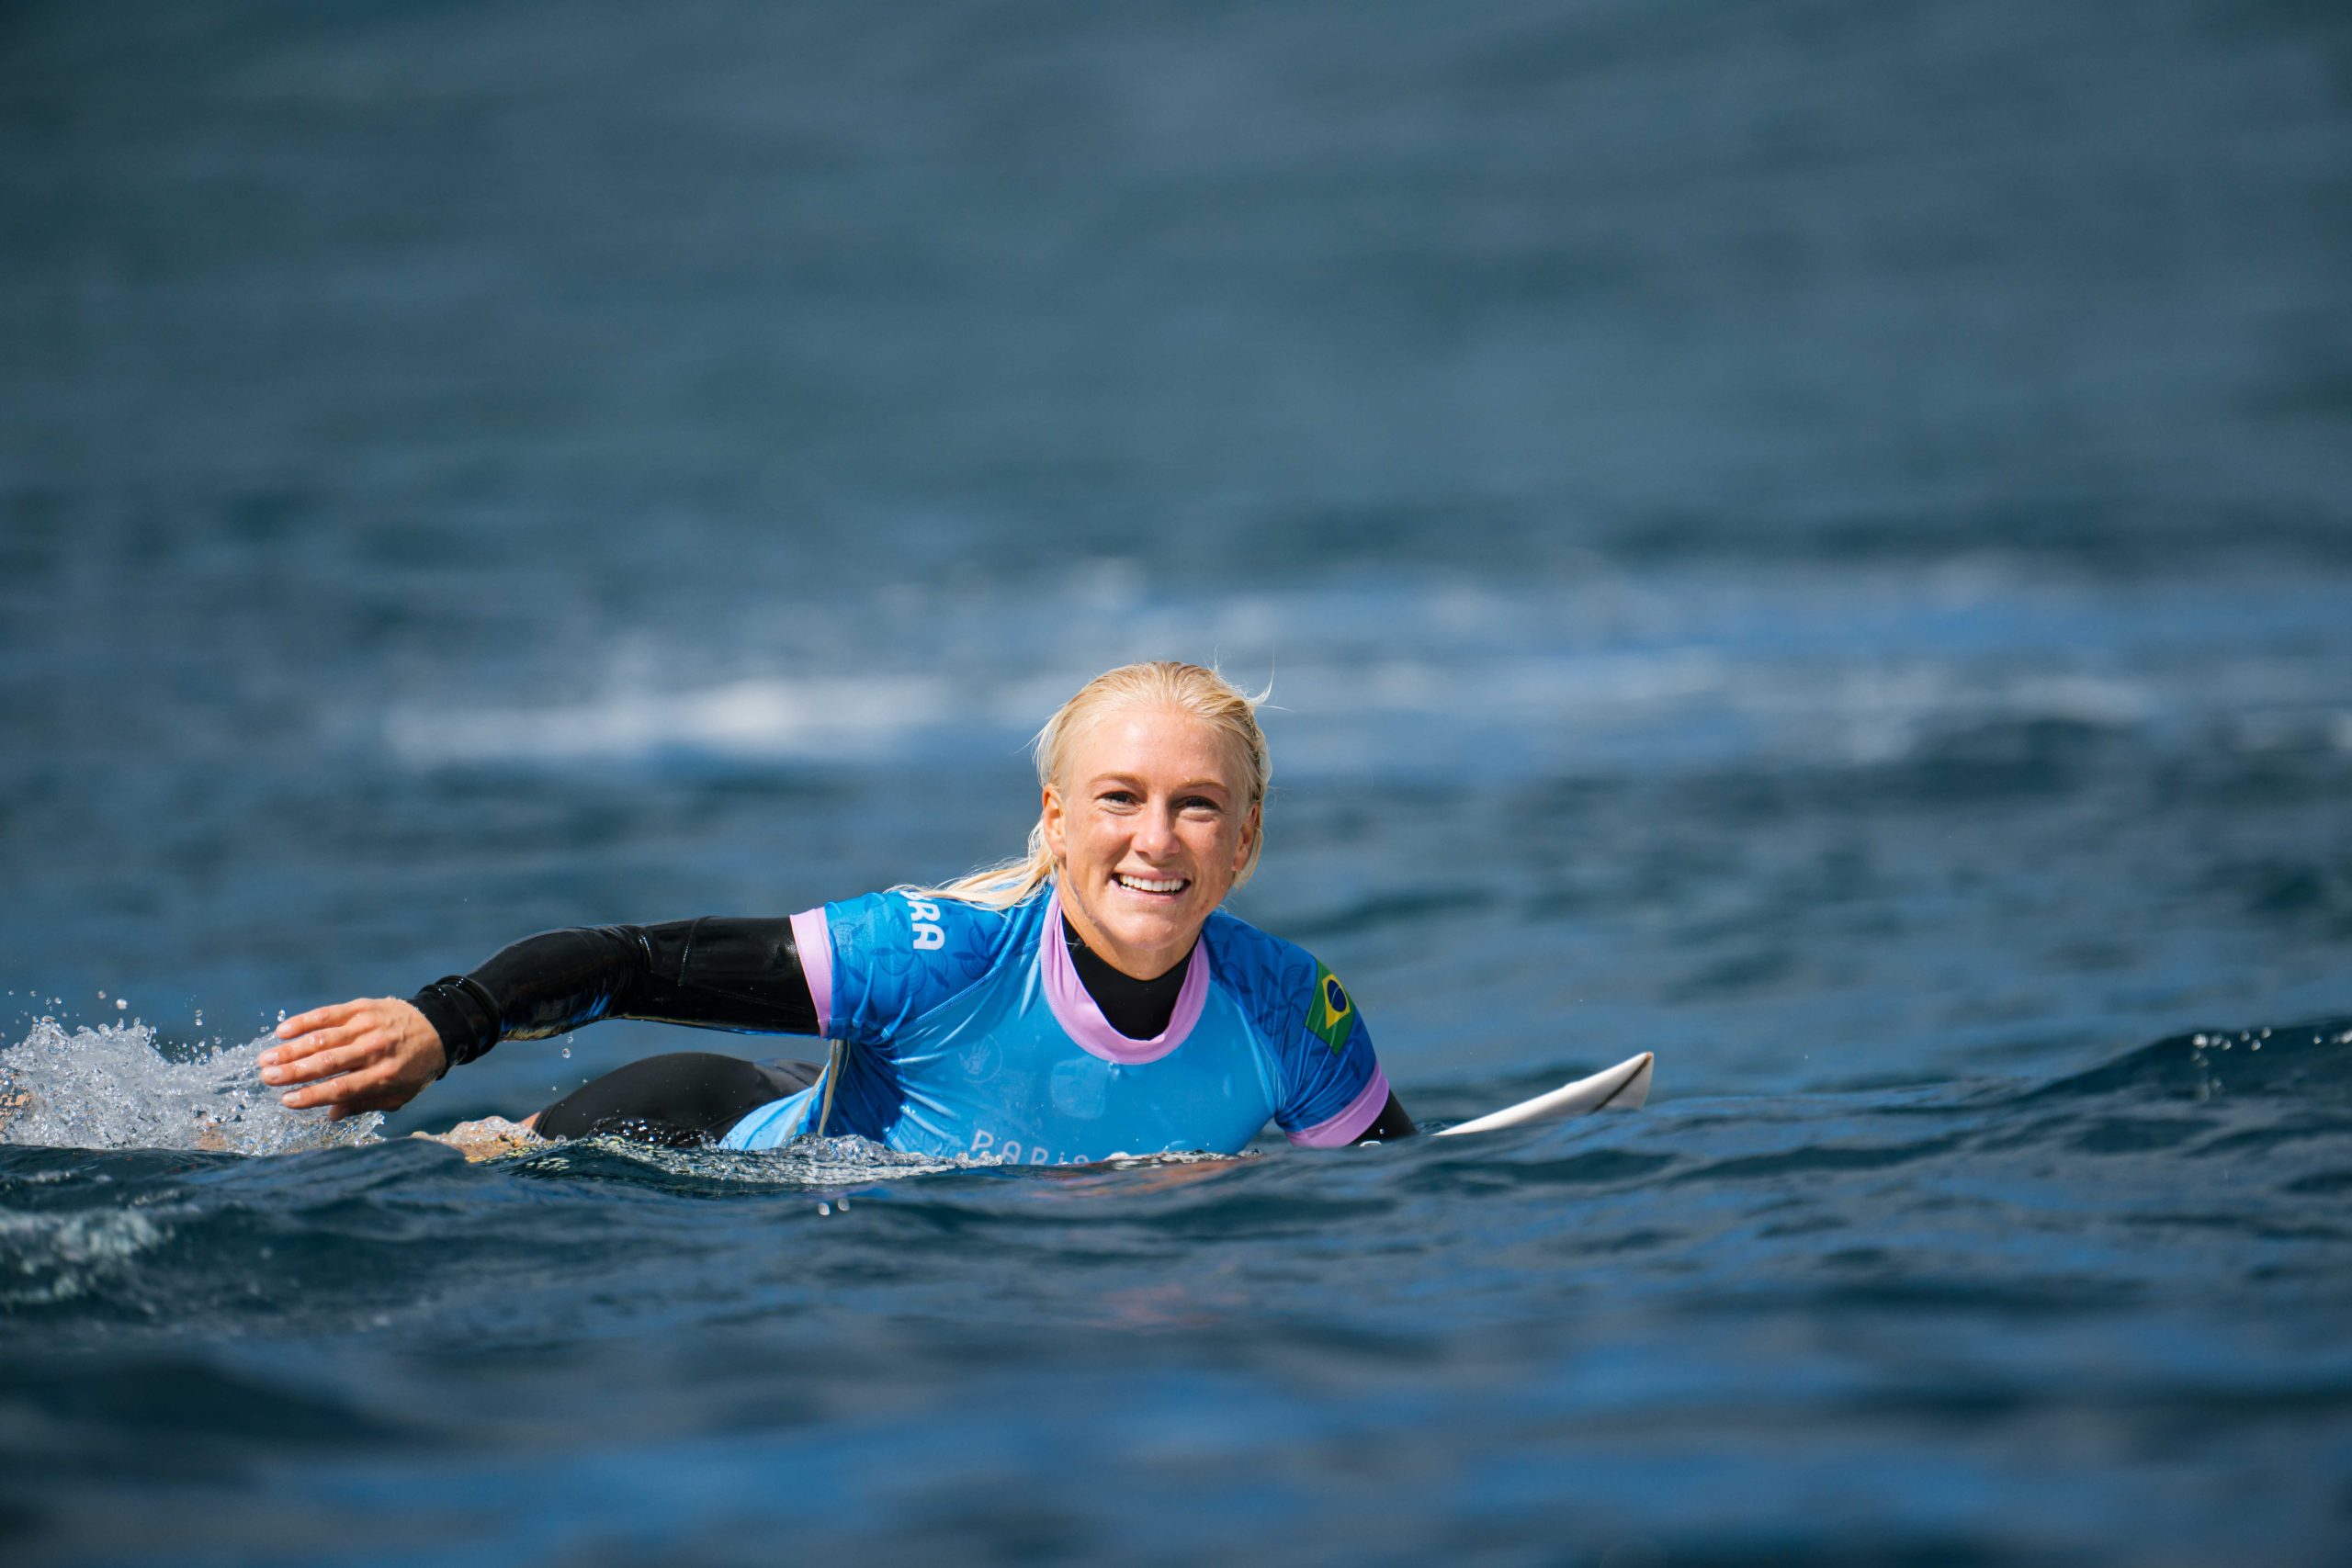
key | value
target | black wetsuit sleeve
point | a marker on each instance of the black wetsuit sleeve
(1392, 1123)
(712, 973)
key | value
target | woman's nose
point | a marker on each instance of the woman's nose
(1156, 835)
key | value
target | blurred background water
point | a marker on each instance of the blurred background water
(1810, 538)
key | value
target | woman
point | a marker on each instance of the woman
(1086, 1001)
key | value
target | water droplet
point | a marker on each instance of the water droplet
(102, 996)
(824, 1208)
(121, 1005)
(567, 1053)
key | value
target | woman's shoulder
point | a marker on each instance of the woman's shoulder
(919, 919)
(902, 952)
(1295, 1000)
(1256, 964)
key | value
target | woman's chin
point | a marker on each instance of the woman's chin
(1146, 930)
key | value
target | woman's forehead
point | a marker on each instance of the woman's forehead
(1157, 739)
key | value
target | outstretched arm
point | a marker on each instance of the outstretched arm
(376, 1054)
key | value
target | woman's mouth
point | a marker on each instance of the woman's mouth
(1154, 886)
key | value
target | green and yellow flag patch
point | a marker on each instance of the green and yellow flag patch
(1330, 1015)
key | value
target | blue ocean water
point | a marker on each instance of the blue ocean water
(1810, 538)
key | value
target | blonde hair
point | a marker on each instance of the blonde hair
(1202, 692)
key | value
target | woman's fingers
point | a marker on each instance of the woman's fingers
(325, 1050)
(320, 1027)
(362, 1053)
(321, 1017)
(362, 1077)
(281, 1061)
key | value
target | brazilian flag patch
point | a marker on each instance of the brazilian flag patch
(1331, 1016)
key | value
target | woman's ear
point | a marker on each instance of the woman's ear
(1050, 817)
(1248, 839)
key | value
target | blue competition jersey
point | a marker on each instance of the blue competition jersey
(967, 1031)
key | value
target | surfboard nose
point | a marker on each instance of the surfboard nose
(1637, 1092)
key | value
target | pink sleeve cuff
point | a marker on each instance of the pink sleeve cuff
(1349, 1125)
(812, 935)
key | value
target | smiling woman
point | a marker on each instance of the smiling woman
(1088, 1000)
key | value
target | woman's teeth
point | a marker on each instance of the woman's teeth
(1149, 884)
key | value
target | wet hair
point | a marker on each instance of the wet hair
(1161, 683)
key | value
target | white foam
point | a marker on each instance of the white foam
(810, 1161)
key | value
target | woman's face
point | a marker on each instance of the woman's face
(1150, 824)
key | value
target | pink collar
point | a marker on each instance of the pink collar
(1083, 1021)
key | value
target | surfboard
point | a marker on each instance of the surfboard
(1625, 1086)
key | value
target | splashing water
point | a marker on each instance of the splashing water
(113, 1086)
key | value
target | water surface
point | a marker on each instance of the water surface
(1811, 539)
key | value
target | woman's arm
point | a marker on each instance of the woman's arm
(376, 1054)
(1392, 1123)
(715, 974)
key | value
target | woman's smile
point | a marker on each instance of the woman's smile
(1153, 887)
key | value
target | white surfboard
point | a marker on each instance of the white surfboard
(1625, 1086)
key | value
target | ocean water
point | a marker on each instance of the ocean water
(1814, 539)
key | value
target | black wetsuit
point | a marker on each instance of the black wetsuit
(713, 972)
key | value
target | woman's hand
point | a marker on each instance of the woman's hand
(383, 1049)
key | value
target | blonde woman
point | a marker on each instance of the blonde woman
(1089, 999)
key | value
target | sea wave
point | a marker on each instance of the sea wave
(1606, 674)
(58, 1256)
